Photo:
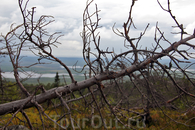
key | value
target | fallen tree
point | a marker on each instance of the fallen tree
(51, 94)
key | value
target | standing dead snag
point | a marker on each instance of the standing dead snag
(128, 86)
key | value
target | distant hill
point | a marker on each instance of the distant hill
(52, 66)
(49, 68)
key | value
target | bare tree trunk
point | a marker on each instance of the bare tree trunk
(50, 94)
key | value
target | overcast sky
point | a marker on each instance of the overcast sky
(68, 20)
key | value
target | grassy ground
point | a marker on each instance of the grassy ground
(84, 120)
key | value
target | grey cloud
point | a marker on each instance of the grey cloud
(68, 19)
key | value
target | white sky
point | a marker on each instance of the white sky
(68, 20)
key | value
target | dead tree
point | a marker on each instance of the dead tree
(140, 68)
